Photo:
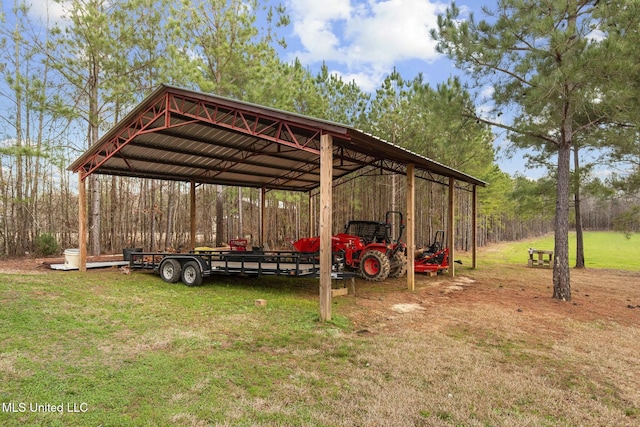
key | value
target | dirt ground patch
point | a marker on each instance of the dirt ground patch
(39, 265)
(522, 293)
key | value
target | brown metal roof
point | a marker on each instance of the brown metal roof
(182, 135)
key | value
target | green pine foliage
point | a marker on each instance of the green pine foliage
(544, 64)
(70, 82)
(47, 245)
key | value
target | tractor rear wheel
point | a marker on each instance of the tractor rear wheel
(398, 265)
(374, 266)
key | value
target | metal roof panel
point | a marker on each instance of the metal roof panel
(177, 134)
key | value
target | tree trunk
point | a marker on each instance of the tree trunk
(95, 216)
(561, 279)
(4, 231)
(20, 221)
(577, 207)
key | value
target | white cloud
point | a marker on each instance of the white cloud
(368, 80)
(487, 92)
(393, 30)
(604, 173)
(314, 24)
(364, 38)
(596, 36)
(46, 11)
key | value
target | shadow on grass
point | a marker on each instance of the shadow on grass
(273, 284)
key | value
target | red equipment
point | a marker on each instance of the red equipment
(433, 259)
(367, 247)
(238, 244)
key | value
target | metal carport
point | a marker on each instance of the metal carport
(182, 135)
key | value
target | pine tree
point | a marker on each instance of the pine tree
(538, 58)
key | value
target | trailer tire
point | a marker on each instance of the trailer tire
(191, 274)
(398, 265)
(170, 270)
(374, 266)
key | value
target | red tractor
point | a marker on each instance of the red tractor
(367, 247)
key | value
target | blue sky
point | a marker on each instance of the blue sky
(364, 40)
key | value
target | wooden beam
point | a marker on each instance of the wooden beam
(474, 228)
(310, 229)
(411, 226)
(451, 242)
(326, 214)
(82, 222)
(240, 234)
(192, 215)
(263, 217)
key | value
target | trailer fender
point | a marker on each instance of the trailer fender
(184, 258)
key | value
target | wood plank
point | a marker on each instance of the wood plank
(451, 242)
(263, 210)
(192, 215)
(339, 292)
(326, 214)
(104, 264)
(411, 226)
(311, 229)
(82, 222)
(474, 228)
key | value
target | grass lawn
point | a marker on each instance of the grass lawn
(137, 351)
(603, 249)
(488, 348)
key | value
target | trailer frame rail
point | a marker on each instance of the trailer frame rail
(280, 263)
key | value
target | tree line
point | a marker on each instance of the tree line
(66, 82)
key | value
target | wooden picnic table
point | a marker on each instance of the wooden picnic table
(540, 258)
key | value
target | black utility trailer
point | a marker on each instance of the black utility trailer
(191, 268)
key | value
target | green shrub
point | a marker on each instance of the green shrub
(46, 244)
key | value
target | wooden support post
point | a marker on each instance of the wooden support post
(263, 211)
(474, 228)
(192, 216)
(310, 229)
(82, 222)
(452, 228)
(240, 234)
(411, 226)
(326, 214)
